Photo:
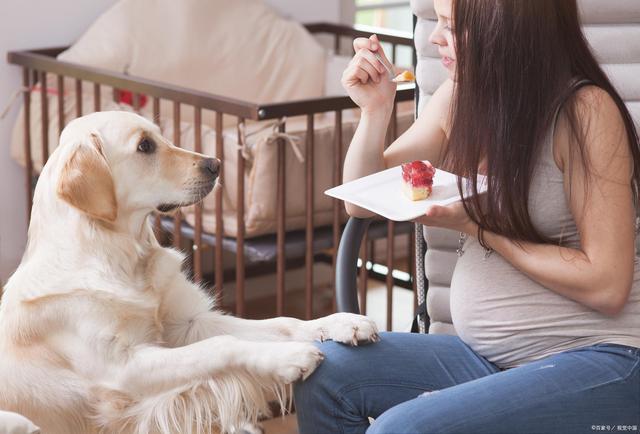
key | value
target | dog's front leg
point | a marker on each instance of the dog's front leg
(342, 327)
(154, 369)
(198, 322)
(188, 316)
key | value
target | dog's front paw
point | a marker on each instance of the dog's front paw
(291, 361)
(347, 328)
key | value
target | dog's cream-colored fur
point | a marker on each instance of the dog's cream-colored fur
(101, 332)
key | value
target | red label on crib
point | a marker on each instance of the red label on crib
(126, 97)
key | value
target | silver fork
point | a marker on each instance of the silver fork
(387, 67)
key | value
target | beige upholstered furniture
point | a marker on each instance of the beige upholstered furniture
(613, 30)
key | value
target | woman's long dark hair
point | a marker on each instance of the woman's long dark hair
(515, 60)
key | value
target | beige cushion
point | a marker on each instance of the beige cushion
(36, 130)
(591, 11)
(13, 423)
(609, 11)
(240, 49)
(261, 174)
(612, 28)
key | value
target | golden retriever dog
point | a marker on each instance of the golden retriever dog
(101, 332)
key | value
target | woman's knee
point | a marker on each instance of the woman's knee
(329, 372)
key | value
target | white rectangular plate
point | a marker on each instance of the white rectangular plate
(382, 194)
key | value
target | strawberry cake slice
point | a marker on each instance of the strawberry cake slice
(417, 179)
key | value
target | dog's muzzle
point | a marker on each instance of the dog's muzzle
(198, 190)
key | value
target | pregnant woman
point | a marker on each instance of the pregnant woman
(545, 298)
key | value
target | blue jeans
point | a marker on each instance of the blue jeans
(577, 391)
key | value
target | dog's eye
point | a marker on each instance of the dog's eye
(146, 146)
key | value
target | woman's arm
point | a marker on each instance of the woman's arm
(370, 89)
(422, 141)
(365, 153)
(426, 137)
(599, 274)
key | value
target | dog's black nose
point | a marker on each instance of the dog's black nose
(211, 166)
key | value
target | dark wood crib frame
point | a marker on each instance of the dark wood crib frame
(292, 248)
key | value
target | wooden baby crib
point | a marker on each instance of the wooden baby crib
(279, 251)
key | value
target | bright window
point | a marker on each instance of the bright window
(390, 14)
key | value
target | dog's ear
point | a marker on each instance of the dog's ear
(86, 182)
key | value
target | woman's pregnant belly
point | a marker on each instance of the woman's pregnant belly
(510, 319)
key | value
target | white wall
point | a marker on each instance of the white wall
(28, 24)
(48, 23)
(308, 11)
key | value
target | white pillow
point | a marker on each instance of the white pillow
(13, 423)
(240, 49)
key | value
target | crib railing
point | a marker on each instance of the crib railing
(39, 64)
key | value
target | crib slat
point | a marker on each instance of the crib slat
(78, 97)
(60, 88)
(390, 239)
(96, 97)
(394, 56)
(337, 170)
(197, 246)
(27, 136)
(309, 160)
(177, 219)
(240, 310)
(337, 44)
(157, 226)
(136, 102)
(280, 202)
(44, 105)
(156, 110)
(219, 266)
(364, 281)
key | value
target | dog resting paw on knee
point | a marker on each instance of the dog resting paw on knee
(100, 331)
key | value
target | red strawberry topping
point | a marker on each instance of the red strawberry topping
(418, 173)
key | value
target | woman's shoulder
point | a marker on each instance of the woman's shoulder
(591, 100)
(598, 117)
(591, 117)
